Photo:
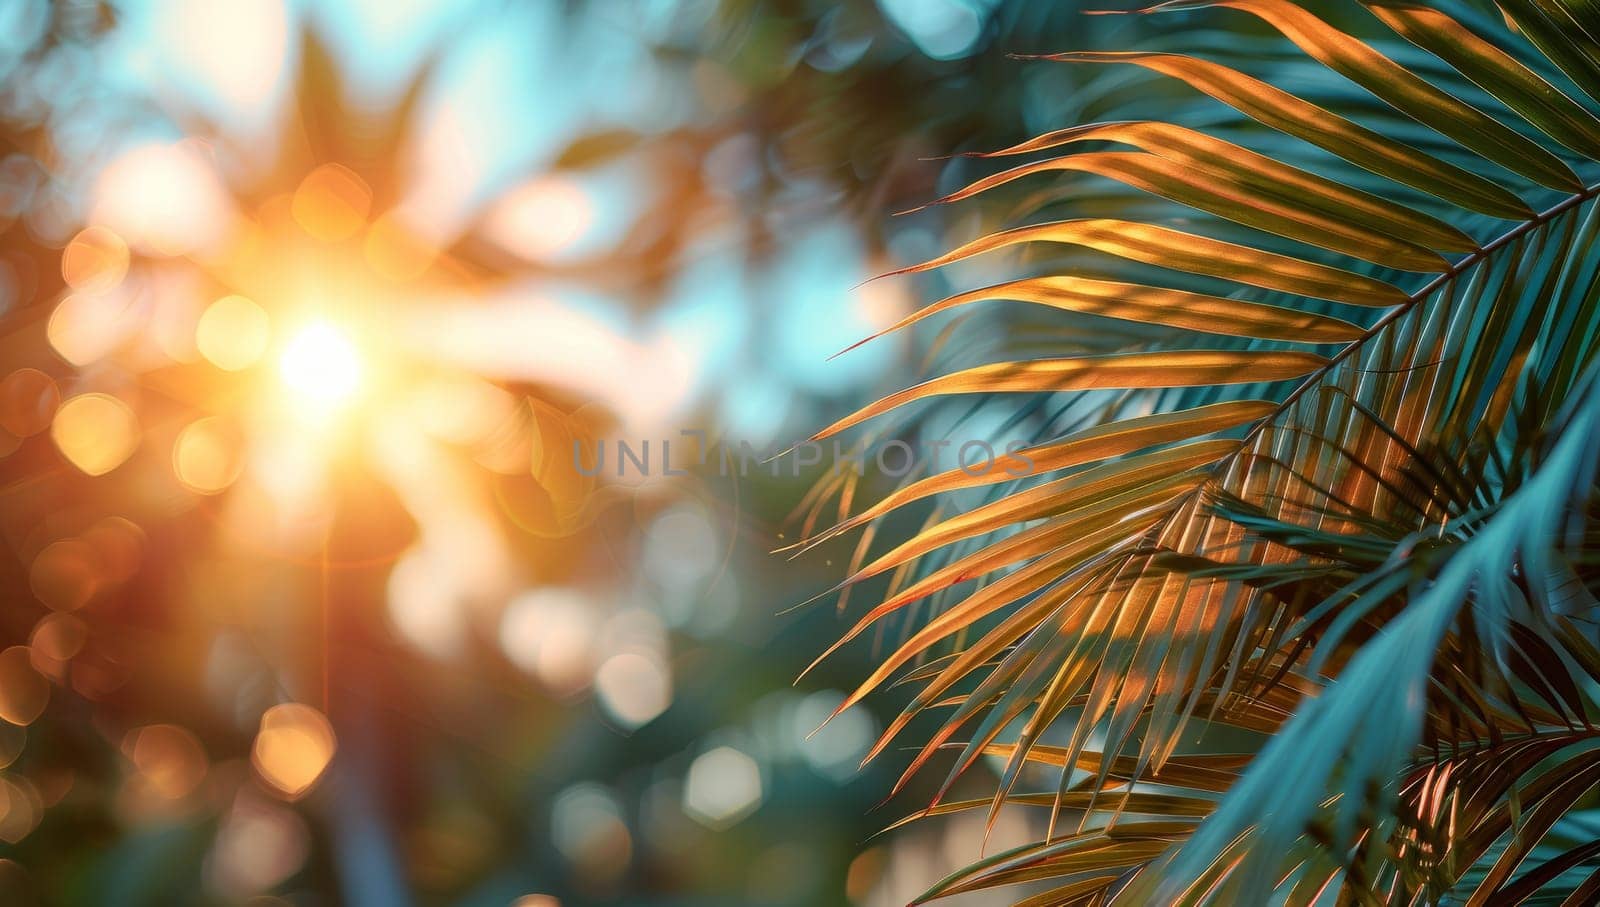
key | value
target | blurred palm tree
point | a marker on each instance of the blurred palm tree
(256, 424)
(255, 446)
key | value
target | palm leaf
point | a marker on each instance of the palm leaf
(1376, 560)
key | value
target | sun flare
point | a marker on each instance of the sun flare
(321, 365)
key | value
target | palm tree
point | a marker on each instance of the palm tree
(1291, 597)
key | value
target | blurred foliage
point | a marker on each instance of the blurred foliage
(456, 782)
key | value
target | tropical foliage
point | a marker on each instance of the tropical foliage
(1296, 602)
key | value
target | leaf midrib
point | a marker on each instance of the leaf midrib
(1470, 260)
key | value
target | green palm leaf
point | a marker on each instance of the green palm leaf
(1374, 564)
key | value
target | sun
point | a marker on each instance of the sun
(321, 366)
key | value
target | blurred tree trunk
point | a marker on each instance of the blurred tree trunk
(371, 774)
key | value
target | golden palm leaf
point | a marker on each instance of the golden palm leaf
(1328, 506)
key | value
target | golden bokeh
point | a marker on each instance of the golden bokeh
(169, 759)
(293, 748)
(12, 740)
(97, 678)
(65, 575)
(55, 640)
(23, 692)
(259, 845)
(232, 333)
(28, 399)
(207, 456)
(331, 203)
(95, 432)
(84, 328)
(118, 545)
(21, 808)
(94, 261)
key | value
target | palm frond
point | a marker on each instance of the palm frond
(1331, 489)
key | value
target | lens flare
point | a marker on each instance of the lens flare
(321, 365)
